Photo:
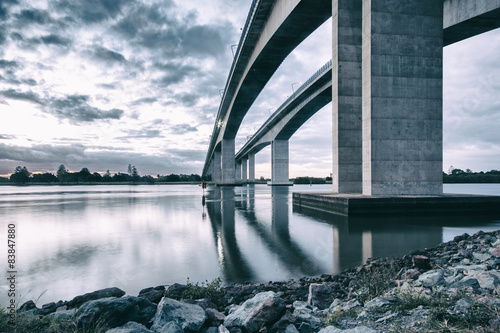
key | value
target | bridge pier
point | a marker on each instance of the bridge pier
(251, 168)
(346, 96)
(279, 164)
(227, 167)
(244, 173)
(402, 111)
(216, 168)
(237, 173)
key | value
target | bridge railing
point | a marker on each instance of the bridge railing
(325, 68)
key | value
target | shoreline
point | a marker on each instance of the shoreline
(456, 283)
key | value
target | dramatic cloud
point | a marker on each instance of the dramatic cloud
(183, 129)
(108, 56)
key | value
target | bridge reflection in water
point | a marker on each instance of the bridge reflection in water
(258, 242)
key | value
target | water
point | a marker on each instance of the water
(76, 239)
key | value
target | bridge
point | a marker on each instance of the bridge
(386, 79)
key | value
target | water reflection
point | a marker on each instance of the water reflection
(77, 239)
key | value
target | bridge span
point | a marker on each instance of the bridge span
(386, 79)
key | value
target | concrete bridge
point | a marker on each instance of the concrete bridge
(386, 86)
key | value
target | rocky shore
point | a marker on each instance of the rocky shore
(453, 287)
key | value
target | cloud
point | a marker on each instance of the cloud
(91, 11)
(22, 96)
(7, 137)
(76, 108)
(106, 55)
(32, 16)
(183, 129)
(175, 73)
(146, 133)
(145, 100)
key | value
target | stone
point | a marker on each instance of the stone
(304, 314)
(463, 306)
(359, 329)
(320, 295)
(205, 303)
(153, 294)
(116, 311)
(352, 304)
(432, 278)
(29, 305)
(130, 327)
(214, 317)
(187, 316)
(481, 256)
(175, 290)
(63, 314)
(421, 262)
(382, 303)
(487, 280)
(98, 294)
(222, 329)
(171, 327)
(495, 251)
(410, 274)
(466, 282)
(286, 320)
(263, 309)
(291, 329)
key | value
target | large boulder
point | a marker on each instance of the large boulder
(98, 294)
(153, 294)
(263, 309)
(189, 317)
(320, 295)
(130, 327)
(115, 312)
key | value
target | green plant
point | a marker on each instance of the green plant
(213, 290)
(374, 281)
(334, 318)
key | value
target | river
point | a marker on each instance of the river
(76, 239)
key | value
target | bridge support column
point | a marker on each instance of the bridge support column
(237, 173)
(279, 163)
(228, 169)
(244, 173)
(216, 168)
(251, 168)
(346, 96)
(402, 97)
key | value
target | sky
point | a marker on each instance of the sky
(106, 83)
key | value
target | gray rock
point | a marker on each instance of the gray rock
(304, 313)
(481, 256)
(63, 314)
(222, 329)
(187, 316)
(466, 282)
(432, 278)
(263, 309)
(214, 317)
(29, 305)
(286, 320)
(381, 303)
(130, 327)
(171, 327)
(153, 294)
(359, 329)
(98, 294)
(320, 295)
(462, 306)
(116, 311)
(486, 280)
(175, 291)
(291, 329)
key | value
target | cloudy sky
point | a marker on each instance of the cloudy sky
(105, 83)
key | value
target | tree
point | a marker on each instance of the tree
(129, 169)
(44, 178)
(61, 172)
(135, 174)
(84, 175)
(20, 175)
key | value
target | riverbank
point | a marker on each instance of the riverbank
(453, 287)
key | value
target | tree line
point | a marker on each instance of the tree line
(22, 175)
(467, 176)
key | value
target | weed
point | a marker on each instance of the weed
(376, 280)
(213, 290)
(334, 318)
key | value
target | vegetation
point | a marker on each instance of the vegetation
(213, 290)
(309, 180)
(21, 175)
(467, 176)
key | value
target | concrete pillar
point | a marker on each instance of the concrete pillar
(402, 97)
(216, 175)
(279, 163)
(251, 168)
(228, 161)
(244, 168)
(237, 171)
(346, 96)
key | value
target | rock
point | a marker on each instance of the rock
(63, 314)
(171, 327)
(286, 320)
(29, 305)
(432, 278)
(466, 282)
(103, 293)
(130, 327)
(410, 274)
(116, 311)
(263, 309)
(320, 295)
(187, 316)
(462, 306)
(214, 317)
(304, 314)
(488, 279)
(382, 303)
(222, 329)
(153, 294)
(495, 251)
(421, 262)
(205, 303)
(291, 329)
(175, 291)
(352, 304)
(482, 257)
(359, 329)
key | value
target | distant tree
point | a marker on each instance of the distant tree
(121, 177)
(129, 169)
(21, 175)
(61, 172)
(148, 179)
(45, 178)
(96, 177)
(4, 180)
(107, 177)
(135, 174)
(84, 175)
